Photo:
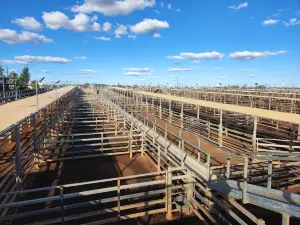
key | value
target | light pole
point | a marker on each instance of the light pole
(57, 82)
(16, 90)
(37, 92)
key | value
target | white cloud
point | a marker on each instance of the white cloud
(270, 22)
(107, 26)
(80, 57)
(248, 69)
(11, 62)
(113, 7)
(245, 55)
(12, 37)
(136, 73)
(292, 22)
(178, 10)
(251, 75)
(45, 71)
(156, 35)
(142, 70)
(121, 30)
(162, 4)
(103, 38)
(223, 78)
(131, 36)
(179, 70)
(28, 23)
(87, 76)
(175, 57)
(157, 12)
(218, 68)
(202, 56)
(169, 6)
(242, 5)
(80, 23)
(45, 59)
(149, 26)
(87, 71)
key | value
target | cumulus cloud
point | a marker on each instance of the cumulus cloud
(80, 23)
(45, 71)
(245, 55)
(44, 59)
(112, 7)
(120, 30)
(248, 69)
(12, 37)
(149, 26)
(242, 5)
(156, 35)
(28, 23)
(131, 73)
(292, 22)
(178, 10)
(131, 36)
(107, 26)
(162, 4)
(87, 71)
(179, 70)
(175, 57)
(218, 68)
(169, 6)
(141, 70)
(270, 22)
(80, 57)
(103, 38)
(196, 57)
(11, 62)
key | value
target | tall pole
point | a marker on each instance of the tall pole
(37, 95)
(16, 89)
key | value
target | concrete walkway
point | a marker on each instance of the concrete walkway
(13, 112)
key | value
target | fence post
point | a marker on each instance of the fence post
(119, 198)
(254, 134)
(169, 215)
(18, 159)
(227, 174)
(269, 183)
(35, 142)
(199, 147)
(158, 158)
(221, 128)
(245, 183)
(61, 193)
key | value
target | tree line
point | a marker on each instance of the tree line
(22, 79)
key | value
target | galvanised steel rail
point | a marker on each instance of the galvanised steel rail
(19, 146)
(223, 128)
(14, 95)
(265, 197)
(269, 102)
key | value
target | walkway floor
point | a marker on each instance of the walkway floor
(13, 112)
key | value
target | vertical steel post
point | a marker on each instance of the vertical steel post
(169, 215)
(18, 159)
(35, 142)
(221, 128)
(269, 182)
(245, 183)
(254, 134)
(158, 158)
(181, 116)
(285, 219)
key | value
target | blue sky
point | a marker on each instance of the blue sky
(147, 41)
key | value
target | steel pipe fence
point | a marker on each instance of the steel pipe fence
(19, 145)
